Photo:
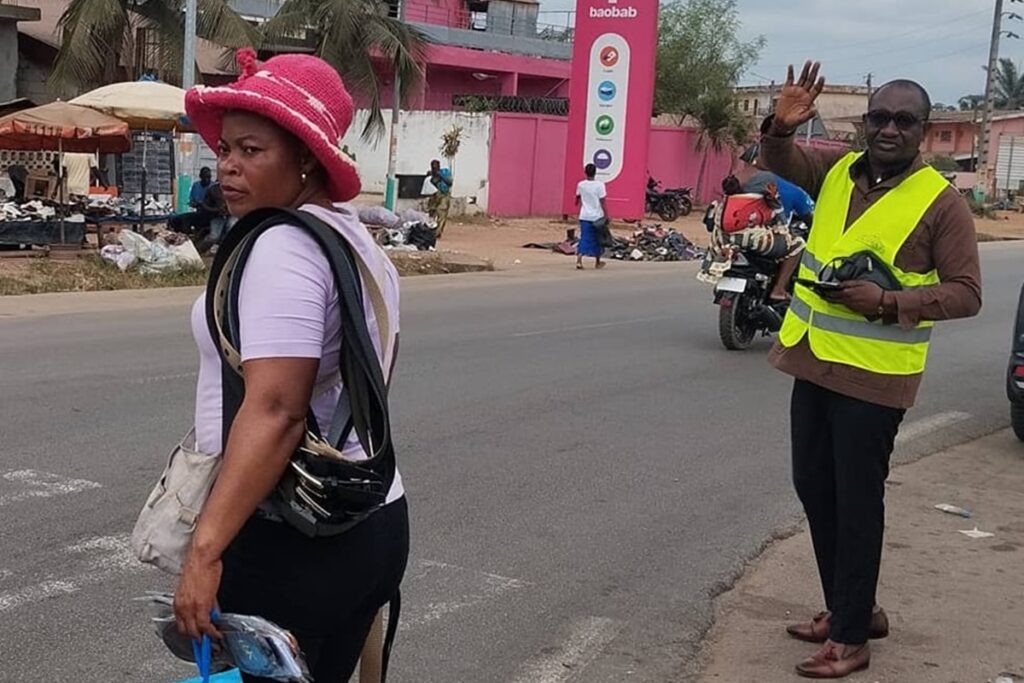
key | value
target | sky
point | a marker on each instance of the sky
(943, 44)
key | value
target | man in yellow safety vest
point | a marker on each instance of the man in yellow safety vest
(858, 349)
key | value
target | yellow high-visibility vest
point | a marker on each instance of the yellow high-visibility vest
(835, 333)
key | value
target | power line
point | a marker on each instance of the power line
(873, 53)
(945, 55)
(927, 27)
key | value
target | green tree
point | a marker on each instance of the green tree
(699, 53)
(98, 36)
(700, 61)
(720, 127)
(971, 102)
(350, 36)
(1009, 85)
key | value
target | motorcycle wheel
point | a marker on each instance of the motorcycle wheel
(685, 206)
(1017, 419)
(668, 209)
(735, 332)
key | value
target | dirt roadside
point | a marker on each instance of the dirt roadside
(955, 602)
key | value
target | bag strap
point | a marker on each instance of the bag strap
(365, 398)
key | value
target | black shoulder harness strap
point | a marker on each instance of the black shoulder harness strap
(363, 406)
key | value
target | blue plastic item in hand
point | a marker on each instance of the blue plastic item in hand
(202, 650)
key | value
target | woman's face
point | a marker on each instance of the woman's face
(259, 165)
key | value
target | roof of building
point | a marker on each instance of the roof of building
(9, 12)
(46, 30)
(829, 89)
(949, 117)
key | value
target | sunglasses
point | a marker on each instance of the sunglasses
(879, 118)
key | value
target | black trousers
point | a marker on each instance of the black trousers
(326, 591)
(841, 449)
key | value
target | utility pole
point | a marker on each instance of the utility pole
(391, 186)
(188, 67)
(985, 141)
(188, 79)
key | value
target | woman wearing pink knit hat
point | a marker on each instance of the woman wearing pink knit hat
(278, 133)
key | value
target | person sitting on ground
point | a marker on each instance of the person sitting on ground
(213, 204)
(200, 216)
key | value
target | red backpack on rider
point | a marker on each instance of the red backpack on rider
(742, 211)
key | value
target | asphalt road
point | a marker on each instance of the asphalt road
(586, 468)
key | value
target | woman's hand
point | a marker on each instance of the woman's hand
(795, 105)
(196, 596)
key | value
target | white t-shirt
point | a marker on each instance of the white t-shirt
(591, 192)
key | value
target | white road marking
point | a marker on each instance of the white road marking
(918, 428)
(164, 378)
(108, 557)
(564, 662)
(456, 588)
(43, 485)
(598, 326)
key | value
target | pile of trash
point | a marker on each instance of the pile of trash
(151, 257)
(654, 243)
(411, 231)
(648, 243)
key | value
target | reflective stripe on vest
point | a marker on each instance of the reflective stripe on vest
(835, 333)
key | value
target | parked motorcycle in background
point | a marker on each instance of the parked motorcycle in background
(684, 195)
(666, 205)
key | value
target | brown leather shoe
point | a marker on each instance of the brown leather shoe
(835, 661)
(817, 629)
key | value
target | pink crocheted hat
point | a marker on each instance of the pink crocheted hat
(300, 93)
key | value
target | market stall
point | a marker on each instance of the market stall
(152, 110)
(42, 213)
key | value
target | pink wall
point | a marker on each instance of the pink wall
(449, 71)
(526, 166)
(526, 176)
(675, 160)
(451, 13)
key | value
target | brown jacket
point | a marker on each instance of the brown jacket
(944, 241)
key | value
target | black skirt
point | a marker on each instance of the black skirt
(326, 591)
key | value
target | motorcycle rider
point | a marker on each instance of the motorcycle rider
(797, 205)
(771, 238)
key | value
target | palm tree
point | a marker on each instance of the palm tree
(971, 102)
(98, 35)
(1009, 85)
(353, 36)
(720, 126)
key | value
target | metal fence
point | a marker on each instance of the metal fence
(552, 106)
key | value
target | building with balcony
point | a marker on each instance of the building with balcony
(479, 51)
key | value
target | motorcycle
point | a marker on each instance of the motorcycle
(744, 309)
(684, 197)
(665, 204)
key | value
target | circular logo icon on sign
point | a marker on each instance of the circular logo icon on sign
(609, 56)
(604, 125)
(606, 91)
(602, 159)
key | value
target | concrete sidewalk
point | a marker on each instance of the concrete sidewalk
(956, 604)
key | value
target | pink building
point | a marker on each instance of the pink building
(955, 134)
(490, 48)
